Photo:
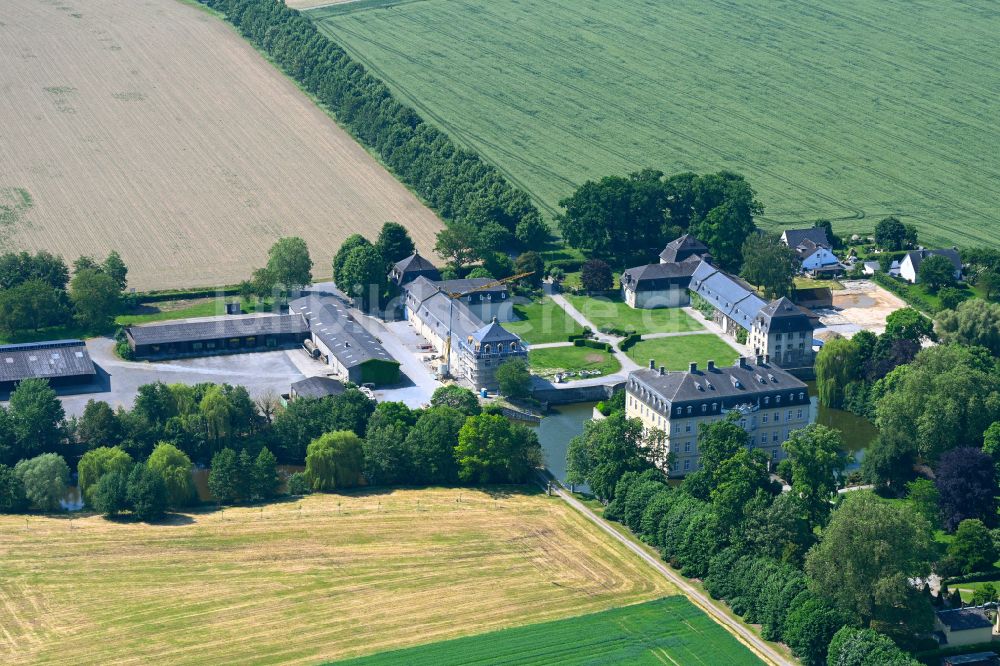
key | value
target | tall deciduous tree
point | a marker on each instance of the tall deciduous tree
(973, 322)
(967, 485)
(769, 264)
(514, 378)
(334, 460)
(36, 417)
(491, 449)
(116, 269)
(223, 477)
(351, 242)
(30, 306)
(890, 233)
(45, 478)
(851, 646)
(972, 548)
(289, 264)
(595, 275)
(817, 459)
(458, 243)
(363, 276)
(264, 477)
(866, 556)
(394, 243)
(605, 451)
(909, 324)
(935, 272)
(99, 425)
(146, 493)
(96, 298)
(96, 463)
(174, 467)
(457, 397)
(838, 364)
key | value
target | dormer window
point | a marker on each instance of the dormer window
(715, 406)
(689, 409)
(704, 408)
(680, 410)
(777, 399)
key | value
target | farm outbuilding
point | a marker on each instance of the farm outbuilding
(61, 362)
(344, 344)
(217, 335)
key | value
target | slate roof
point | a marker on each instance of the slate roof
(683, 248)
(494, 332)
(350, 342)
(731, 296)
(794, 237)
(469, 284)
(963, 619)
(973, 659)
(752, 380)
(318, 387)
(781, 315)
(45, 360)
(917, 257)
(215, 328)
(649, 274)
(436, 308)
(413, 263)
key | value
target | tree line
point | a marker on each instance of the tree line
(483, 208)
(829, 577)
(140, 460)
(36, 292)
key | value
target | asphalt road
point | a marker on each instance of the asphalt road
(745, 636)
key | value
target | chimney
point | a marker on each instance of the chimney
(652, 364)
(692, 367)
(663, 370)
(711, 366)
(760, 359)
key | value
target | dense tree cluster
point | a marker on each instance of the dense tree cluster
(139, 461)
(769, 264)
(796, 563)
(455, 182)
(36, 291)
(628, 217)
(891, 234)
(848, 369)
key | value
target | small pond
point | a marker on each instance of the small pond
(562, 424)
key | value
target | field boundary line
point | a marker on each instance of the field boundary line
(747, 637)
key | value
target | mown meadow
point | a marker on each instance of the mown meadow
(848, 111)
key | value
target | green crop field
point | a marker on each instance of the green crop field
(849, 110)
(666, 631)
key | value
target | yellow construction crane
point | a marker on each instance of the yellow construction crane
(451, 307)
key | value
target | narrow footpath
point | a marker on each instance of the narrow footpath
(756, 644)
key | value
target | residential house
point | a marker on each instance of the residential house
(962, 626)
(909, 267)
(769, 403)
(813, 249)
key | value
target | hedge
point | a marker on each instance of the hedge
(593, 344)
(178, 294)
(630, 341)
(903, 291)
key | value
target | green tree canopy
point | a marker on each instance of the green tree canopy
(935, 272)
(174, 466)
(458, 243)
(36, 417)
(514, 378)
(363, 276)
(350, 243)
(864, 647)
(431, 444)
(769, 264)
(531, 262)
(96, 298)
(972, 548)
(96, 463)
(335, 460)
(110, 495)
(12, 497)
(865, 558)
(394, 243)
(909, 324)
(30, 306)
(458, 397)
(491, 449)
(605, 451)
(99, 425)
(837, 365)
(45, 478)
(19, 267)
(890, 234)
(817, 460)
(288, 263)
(973, 322)
(595, 275)
(224, 477)
(146, 493)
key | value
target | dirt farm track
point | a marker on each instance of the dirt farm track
(151, 127)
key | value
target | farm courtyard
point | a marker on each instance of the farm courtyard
(152, 127)
(556, 92)
(326, 577)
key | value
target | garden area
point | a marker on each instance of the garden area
(613, 312)
(676, 353)
(584, 362)
(543, 321)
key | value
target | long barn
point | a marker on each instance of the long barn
(61, 362)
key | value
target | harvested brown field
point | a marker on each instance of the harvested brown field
(152, 127)
(327, 577)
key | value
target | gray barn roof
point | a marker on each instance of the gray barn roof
(436, 308)
(655, 274)
(781, 315)
(216, 328)
(731, 296)
(45, 360)
(317, 387)
(331, 323)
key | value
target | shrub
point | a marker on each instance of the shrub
(298, 484)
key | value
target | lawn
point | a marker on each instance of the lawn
(185, 309)
(677, 352)
(615, 312)
(543, 321)
(802, 282)
(327, 577)
(848, 111)
(666, 631)
(547, 362)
